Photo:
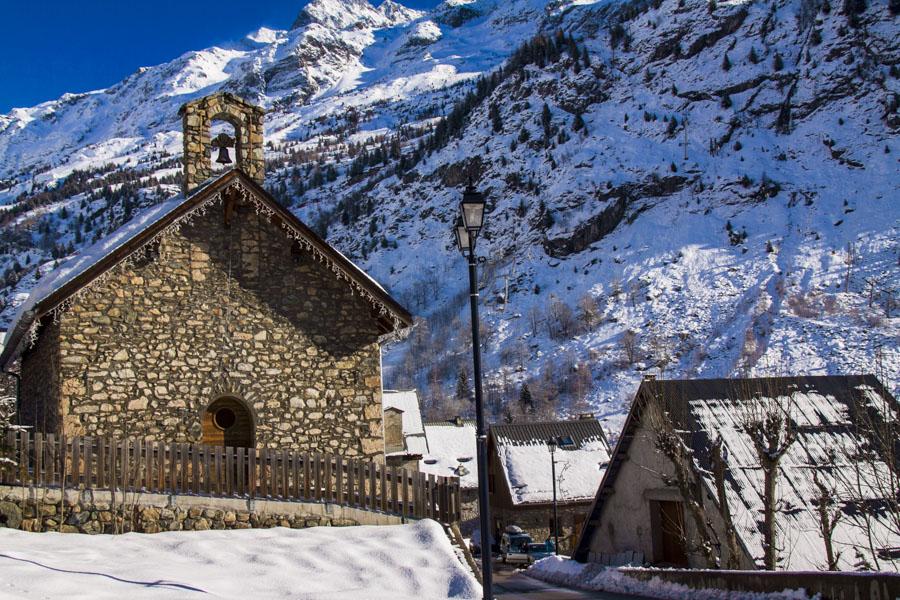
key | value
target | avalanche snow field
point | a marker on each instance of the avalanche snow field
(398, 561)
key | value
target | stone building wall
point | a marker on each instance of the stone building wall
(145, 351)
(87, 511)
(247, 120)
(40, 382)
(536, 521)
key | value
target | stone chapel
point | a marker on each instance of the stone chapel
(217, 317)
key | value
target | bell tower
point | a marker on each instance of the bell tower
(197, 118)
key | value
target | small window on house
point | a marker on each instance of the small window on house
(554, 526)
(566, 442)
(224, 418)
(464, 458)
(430, 461)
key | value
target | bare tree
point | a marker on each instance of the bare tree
(669, 443)
(589, 312)
(718, 465)
(770, 427)
(630, 343)
(7, 412)
(830, 512)
(560, 320)
(871, 478)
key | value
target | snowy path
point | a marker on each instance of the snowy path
(397, 562)
(515, 585)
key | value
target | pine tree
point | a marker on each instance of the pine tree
(462, 385)
(578, 122)
(526, 402)
(546, 120)
(726, 62)
(754, 58)
(496, 119)
(778, 62)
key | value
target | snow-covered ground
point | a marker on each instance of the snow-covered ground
(591, 576)
(400, 561)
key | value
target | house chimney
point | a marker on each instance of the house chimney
(585, 416)
(649, 377)
(197, 118)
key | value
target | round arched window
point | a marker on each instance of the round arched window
(224, 418)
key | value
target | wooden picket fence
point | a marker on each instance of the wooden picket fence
(137, 465)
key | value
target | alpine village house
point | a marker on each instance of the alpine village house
(216, 318)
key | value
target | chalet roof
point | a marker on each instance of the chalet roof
(407, 402)
(451, 451)
(525, 459)
(53, 293)
(826, 412)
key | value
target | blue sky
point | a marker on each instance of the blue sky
(50, 47)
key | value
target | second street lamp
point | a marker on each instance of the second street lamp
(552, 443)
(466, 231)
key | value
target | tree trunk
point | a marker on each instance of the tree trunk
(770, 470)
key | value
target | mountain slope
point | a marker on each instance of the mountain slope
(676, 186)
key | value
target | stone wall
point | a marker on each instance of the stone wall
(39, 395)
(247, 120)
(237, 311)
(536, 522)
(828, 585)
(92, 511)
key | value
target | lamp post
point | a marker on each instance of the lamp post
(468, 224)
(551, 443)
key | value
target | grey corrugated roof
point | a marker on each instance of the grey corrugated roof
(824, 412)
(580, 430)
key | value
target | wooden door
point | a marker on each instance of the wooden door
(672, 536)
(227, 422)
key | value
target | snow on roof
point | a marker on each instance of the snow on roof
(397, 562)
(827, 436)
(526, 460)
(407, 402)
(451, 451)
(78, 263)
(826, 412)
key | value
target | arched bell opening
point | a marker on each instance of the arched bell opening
(228, 422)
(224, 150)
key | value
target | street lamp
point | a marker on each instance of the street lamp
(468, 224)
(551, 443)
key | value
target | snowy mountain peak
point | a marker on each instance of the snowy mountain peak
(344, 14)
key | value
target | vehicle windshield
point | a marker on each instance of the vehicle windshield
(538, 548)
(519, 542)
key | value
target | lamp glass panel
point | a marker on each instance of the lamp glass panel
(473, 214)
(462, 237)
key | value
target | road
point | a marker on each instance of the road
(510, 584)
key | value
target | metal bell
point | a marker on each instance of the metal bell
(223, 158)
(223, 141)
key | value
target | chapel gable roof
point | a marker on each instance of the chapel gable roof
(56, 289)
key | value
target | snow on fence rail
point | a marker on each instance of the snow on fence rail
(176, 468)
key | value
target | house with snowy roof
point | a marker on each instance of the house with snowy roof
(520, 480)
(452, 453)
(404, 434)
(794, 473)
(216, 317)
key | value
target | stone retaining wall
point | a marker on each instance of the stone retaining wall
(94, 511)
(831, 585)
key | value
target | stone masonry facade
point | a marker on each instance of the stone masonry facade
(220, 308)
(247, 120)
(87, 511)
